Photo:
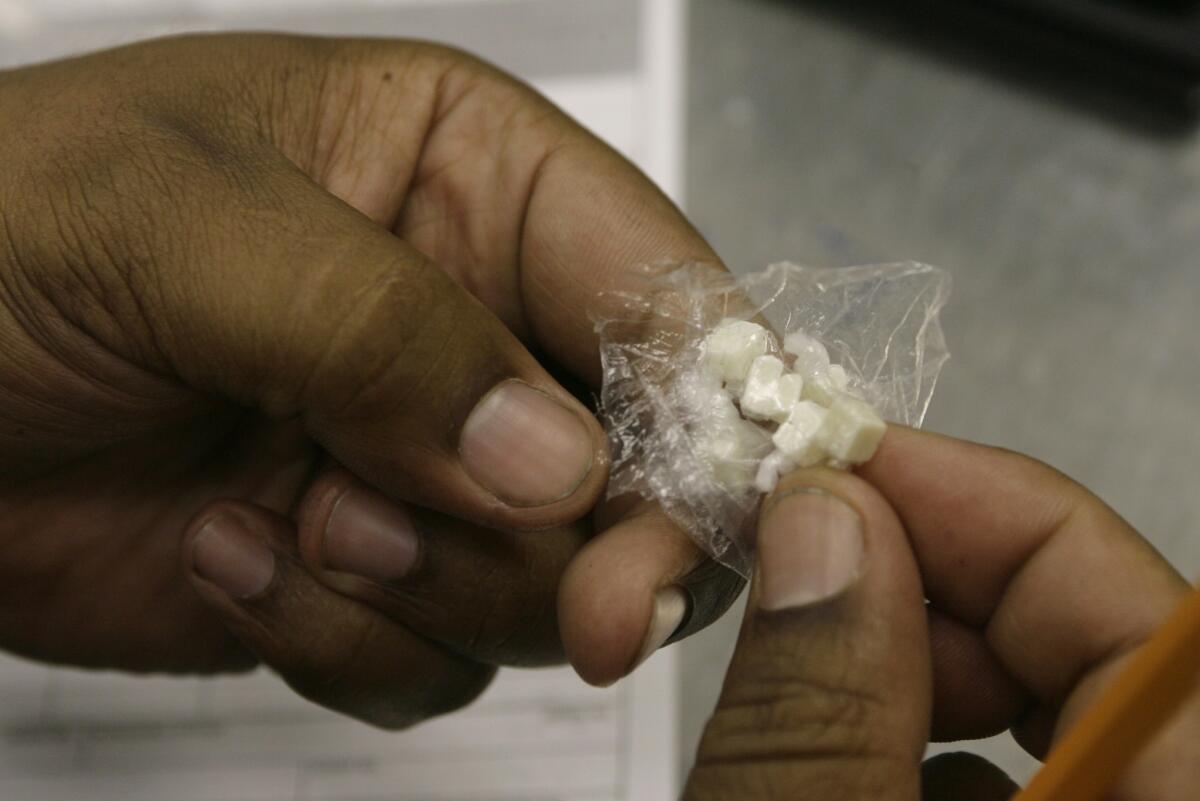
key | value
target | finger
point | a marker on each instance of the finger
(636, 587)
(330, 649)
(417, 388)
(1061, 588)
(828, 692)
(974, 695)
(964, 777)
(487, 178)
(288, 300)
(488, 595)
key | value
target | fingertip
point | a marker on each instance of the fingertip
(529, 447)
(622, 597)
(603, 618)
(810, 548)
(816, 536)
(227, 553)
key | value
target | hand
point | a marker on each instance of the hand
(1037, 593)
(279, 319)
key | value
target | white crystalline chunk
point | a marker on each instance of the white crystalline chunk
(838, 377)
(796, 439)
(769, 470)
(811, 357)
(732, 347)
(790, 387)
(766, 394)
(702, 400)
(732, 452)
(851, 431)
(826, 388)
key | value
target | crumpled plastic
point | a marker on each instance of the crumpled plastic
(880, 322)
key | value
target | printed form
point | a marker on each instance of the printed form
(541, 735)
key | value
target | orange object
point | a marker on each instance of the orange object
(1114, 730)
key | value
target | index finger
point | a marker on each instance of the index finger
(1060, 583)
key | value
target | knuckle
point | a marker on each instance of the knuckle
(376, 341)
(773, 718)
(397, 335)
(107, 206)
(797, 739)
(811, 780)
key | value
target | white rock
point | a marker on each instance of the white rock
(851, 431)
(838, 377)
(702, 401)
(732, 347)
(796, 439)
(790, 387)
(826, 388)
(733, 452)
(766, 394)
(770, 468)
(812, 359)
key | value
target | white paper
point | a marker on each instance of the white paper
(541, 735)
(535, 734)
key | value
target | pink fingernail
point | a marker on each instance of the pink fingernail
(370, 536)
(524, 447)
(225, 553)
(810, 548)
(670, 607)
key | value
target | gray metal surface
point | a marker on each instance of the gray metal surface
(1074, 241)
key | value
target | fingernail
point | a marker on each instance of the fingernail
(225, 553)
(524, 447)
(670, 606)
(810, 548)
(370, 536)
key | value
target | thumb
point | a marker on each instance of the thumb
(829, 691)
(301, 307)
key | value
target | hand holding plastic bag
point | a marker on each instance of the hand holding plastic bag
(879, 322)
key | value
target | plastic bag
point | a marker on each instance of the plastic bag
(880, 322)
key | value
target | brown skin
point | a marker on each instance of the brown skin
(241, 274)
(1037, 594)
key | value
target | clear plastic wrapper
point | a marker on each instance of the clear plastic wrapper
(879, 322)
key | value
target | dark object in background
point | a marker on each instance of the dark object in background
(1140, 58)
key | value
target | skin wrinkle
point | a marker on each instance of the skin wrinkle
(395, 130)
(349, 91)
(129, 268)
(473, 272)
(535, 176)
(432, 125)
(34, 320)
(366, 383)
(356, 168)
(238, 277)
(1063, 521)
(787, 758)
(1056, 506)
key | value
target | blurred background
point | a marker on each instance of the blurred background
(1044, 152)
